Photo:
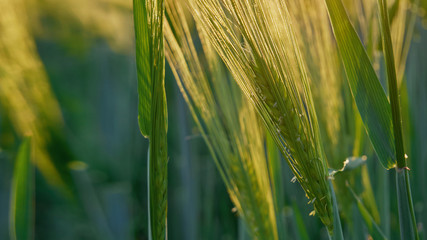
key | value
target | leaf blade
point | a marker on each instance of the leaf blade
(366, 89)
(152, 108)
(21, 213)
(143, 67)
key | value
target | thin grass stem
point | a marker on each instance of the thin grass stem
(408, 225)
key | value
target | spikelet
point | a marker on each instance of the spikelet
(255, 39)
(228, 123)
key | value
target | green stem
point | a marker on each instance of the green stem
(392, 84)
(408, 223)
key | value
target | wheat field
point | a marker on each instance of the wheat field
(213, 119)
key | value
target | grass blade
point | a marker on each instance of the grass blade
(366, 89)
(407, 221)
(152, 110)
(21, 203)
(392, 83)
(143, 54)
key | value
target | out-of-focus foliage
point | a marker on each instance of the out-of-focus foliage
(25, 92)
(76, 22)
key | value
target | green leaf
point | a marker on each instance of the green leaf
(21, 203)
(152, 109)
(407, 221)
(148, 21)
(142, 43)
(392, 81)
(370, 98)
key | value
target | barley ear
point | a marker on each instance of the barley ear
(152, 110)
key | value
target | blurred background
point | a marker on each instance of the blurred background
(68, 78)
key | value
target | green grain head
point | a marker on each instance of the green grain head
(256, 41)
(228, 123)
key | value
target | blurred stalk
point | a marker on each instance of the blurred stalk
(189, 213)
(276, 178)
(90, 200)
(357, 224)
(297, 223)
(243, 230)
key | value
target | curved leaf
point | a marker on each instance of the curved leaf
(370, 98)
